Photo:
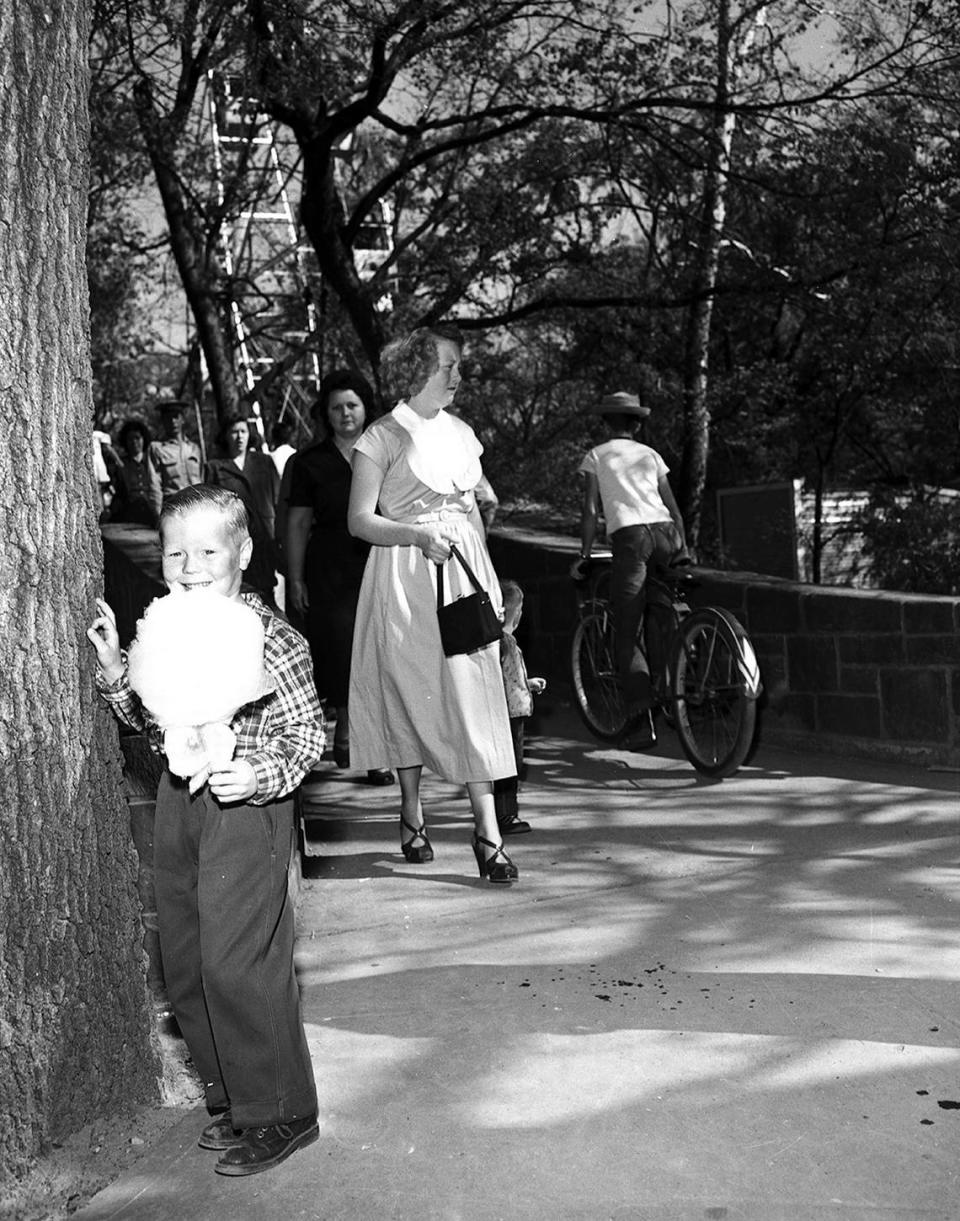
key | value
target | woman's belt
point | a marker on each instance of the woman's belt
(442, 515)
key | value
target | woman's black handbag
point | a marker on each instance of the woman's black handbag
(469, 622)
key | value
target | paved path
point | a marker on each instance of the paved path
(736, 1001)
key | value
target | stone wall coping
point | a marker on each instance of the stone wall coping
(542, 538)
(564, 544)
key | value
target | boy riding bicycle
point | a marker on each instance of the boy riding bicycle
(629, 481)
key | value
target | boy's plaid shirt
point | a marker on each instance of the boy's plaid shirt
(281, 735)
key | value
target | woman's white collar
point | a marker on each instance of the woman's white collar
(444, 452)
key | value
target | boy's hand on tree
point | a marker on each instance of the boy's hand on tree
(102, 634)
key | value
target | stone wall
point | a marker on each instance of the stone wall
(856, 672)
(845, 671)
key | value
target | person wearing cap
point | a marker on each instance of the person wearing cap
(175, 459)
(628, 480)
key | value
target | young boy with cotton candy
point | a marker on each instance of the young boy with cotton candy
(224, 687)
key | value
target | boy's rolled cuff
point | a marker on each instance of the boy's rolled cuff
(107, 687)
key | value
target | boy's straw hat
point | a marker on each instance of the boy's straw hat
(621, 403)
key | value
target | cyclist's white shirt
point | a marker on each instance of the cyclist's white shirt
(628, 474)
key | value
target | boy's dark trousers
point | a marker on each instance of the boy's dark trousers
(226, 939)
(505, 791)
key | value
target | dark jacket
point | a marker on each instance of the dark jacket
(257, 485)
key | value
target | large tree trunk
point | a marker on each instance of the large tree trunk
(74, 1020)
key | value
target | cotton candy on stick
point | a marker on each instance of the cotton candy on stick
(197, 659)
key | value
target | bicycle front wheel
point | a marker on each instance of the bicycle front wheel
(714, 683)
(594, 673)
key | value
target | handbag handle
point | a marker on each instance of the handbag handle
(471, 575)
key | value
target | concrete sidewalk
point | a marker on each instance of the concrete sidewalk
(736, 1000)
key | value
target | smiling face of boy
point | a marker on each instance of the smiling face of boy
(202, 552)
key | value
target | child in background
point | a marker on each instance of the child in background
(221, 852)
(520, 692)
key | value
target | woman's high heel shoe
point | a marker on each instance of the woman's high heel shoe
(415, 853)
(495, 868)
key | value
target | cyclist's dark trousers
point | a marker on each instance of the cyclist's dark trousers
(633, 548)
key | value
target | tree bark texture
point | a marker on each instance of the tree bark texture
(75, 1031)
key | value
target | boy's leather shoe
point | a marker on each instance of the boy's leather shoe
(220, 1133)
(514, 826)
(262, 1148)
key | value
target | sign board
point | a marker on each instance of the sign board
(758, 528)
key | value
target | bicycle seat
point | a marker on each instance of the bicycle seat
(675, 576)
(685, 579)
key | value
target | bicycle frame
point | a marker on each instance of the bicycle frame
(704, 670)
(664, 589)
(663, 594)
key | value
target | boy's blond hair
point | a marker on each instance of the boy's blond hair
(204, 495)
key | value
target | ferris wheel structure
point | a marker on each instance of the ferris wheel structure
(270, 269)
(274, 284)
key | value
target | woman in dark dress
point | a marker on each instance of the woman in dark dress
(253, 476)
(324, 562)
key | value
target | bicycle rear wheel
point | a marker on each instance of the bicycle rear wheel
(594, 672)
(715, 683)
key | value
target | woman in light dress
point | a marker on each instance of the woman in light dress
(410, 706)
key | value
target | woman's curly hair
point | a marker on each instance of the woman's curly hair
(408, 364)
